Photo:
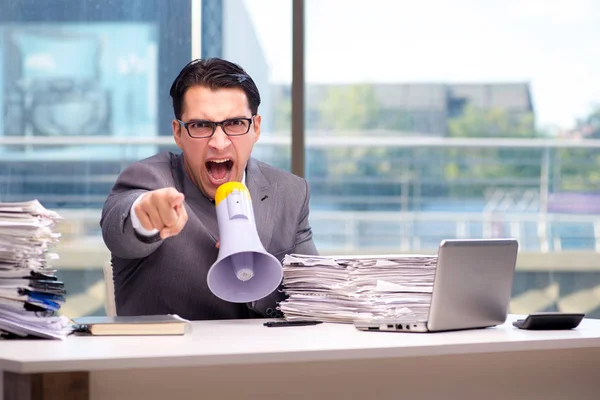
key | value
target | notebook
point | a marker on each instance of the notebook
(471, 289)
(131, 325)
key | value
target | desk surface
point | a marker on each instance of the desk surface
(235, 342)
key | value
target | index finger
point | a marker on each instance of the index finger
(169, 214)
(174, 197)
(178, 227)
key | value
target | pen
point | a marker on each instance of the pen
(291, 323)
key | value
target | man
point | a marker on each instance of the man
(159, 221)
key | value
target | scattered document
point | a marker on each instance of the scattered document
(350, 288)
(30, 293)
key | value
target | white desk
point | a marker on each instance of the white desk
(243, 359)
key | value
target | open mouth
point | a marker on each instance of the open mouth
(219, 170)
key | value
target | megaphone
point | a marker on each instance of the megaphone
(244, 271)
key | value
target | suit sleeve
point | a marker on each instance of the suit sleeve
(117, 230)
(304, 235)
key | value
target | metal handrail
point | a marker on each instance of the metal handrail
(77, 222)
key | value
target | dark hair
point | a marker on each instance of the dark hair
(213, 73)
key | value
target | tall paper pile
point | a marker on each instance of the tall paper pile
(30, 293)
(347, 289)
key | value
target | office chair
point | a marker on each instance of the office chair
(109, 303)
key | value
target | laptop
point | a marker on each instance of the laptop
(471, 289)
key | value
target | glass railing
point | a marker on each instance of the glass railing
(369, 195)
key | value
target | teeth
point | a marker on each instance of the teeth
(220, 161)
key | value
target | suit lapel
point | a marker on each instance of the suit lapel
(264, 201)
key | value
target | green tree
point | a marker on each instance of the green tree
(495, 122)
(471, 171)
(348, 108)
(590, 125)
(579, 169)
(355, 110)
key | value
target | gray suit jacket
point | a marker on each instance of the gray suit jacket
(169, 276)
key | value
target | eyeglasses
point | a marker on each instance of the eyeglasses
(199, 129)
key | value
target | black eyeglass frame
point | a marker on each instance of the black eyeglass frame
(214, 126)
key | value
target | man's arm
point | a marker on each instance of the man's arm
(117, 229)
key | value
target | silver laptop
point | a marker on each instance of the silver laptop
(472, 288)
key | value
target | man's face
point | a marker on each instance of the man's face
(210, 162)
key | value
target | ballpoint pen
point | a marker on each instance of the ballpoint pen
(274, 324)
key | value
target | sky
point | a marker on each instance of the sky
(551, 44)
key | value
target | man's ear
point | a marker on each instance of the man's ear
(177, 133)
(257, 121)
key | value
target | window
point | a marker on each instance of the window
(423, 122)
(436, 120)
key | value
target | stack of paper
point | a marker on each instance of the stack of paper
(346, 289)
(30, 293)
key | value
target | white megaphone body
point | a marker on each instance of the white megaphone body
(244, 271)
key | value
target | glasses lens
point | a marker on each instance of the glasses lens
(236, 126)
(200, 128)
